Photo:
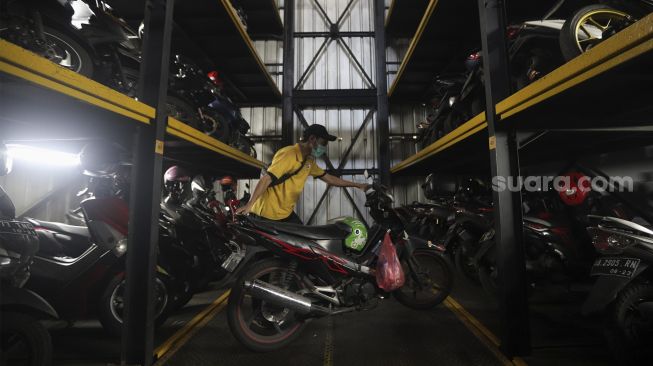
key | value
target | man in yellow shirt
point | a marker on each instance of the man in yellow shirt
(276, 194)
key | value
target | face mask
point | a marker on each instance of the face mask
(319, 151)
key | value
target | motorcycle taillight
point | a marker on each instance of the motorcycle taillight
(512, 32)
(474, 56)
(607, 242)
(215, 77)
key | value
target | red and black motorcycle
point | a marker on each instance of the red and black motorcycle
(316, 271)
(80, 270)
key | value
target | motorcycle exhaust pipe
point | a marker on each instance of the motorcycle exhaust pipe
(284, 298)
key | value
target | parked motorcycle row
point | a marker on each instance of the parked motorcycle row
(56, 271)
(90, 38)
(281, 275)
(535, 48)
(571, 236)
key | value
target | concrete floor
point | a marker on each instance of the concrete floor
(388, 335)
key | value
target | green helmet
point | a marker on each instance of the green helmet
(358, 237)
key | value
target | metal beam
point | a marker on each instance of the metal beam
(341, 165)
(311, 64)
(329, 34)
(504, 158)
(382, 110)
(341, 18)
(138, 329)
(287, 118)
(353, 58)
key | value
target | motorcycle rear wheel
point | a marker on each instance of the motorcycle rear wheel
(252, 327)
(436, 273)
(62, 50)
(580, 33)
(20, 331)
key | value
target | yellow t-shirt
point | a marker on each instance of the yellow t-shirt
(278, 202)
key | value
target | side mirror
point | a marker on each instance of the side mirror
(366, 174)
(198, 184)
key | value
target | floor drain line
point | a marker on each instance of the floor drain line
(328, 343)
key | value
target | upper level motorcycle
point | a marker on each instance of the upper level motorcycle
(592, 24)
(316, 271)
(623, 291)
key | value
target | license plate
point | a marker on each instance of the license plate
(611, 266)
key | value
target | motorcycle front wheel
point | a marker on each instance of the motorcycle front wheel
(112, 304)
(630, 325)
(259, 326)
(429, 285)
(588, 27)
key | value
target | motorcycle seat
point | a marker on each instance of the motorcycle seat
(337, 231)
(61, 240)
(62, 228)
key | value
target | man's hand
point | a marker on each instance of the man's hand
(363, 186)
(244, 210)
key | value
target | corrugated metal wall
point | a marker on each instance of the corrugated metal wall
(45, 193)
(333, 70)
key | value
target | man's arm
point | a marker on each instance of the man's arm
(262, 185)
(335, 181)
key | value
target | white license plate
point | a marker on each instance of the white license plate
(615, 266)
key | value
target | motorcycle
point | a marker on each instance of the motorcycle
(310, 272)
(23, 339)
(81, 269)
(595, 23)
(623, 291)
(210, 110)
(90, 38)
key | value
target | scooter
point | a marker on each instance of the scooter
(81, 269)
(316, 271)
(623, 292)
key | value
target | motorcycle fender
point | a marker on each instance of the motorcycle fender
(606, 289)
(21, 298)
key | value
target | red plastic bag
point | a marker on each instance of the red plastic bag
(389, 273)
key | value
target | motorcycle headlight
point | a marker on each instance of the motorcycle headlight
(607, 242)
(121, 247)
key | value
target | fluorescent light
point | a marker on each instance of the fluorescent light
(42, 156)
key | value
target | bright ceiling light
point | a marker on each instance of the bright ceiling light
(42, 156)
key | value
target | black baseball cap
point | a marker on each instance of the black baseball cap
(318, 131)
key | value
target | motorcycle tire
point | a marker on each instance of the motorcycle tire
(235, 318)
(82, 62)
(630, 343)
(183, 111)
(110, 320)
(33, 335)
(568, 44)
(463, 265)
(438, 260)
